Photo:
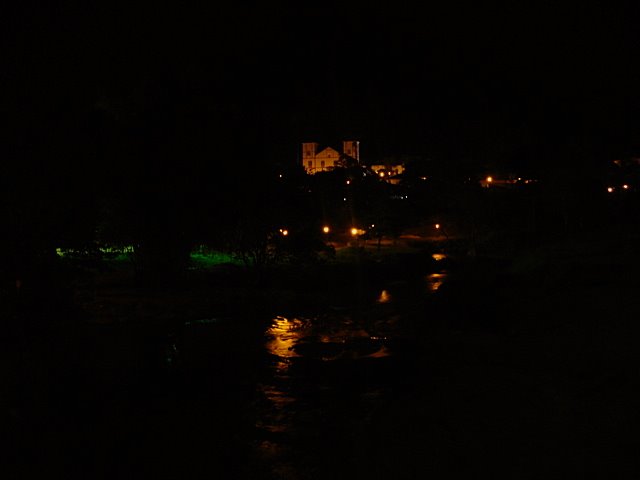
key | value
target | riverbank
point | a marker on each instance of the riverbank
(112, 294)
(495, 281)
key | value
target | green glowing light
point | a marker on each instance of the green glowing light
(125, 249)
(113, 253)
(213, 258)
(200, 258)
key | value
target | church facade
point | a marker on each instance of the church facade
(316, 160)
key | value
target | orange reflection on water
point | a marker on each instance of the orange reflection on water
(384, 297)
(319, 339)
(283, 335)
(435, 280)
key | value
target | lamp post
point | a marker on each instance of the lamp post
(326, 230)
(439, 227)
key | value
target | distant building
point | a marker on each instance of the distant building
(316, 160)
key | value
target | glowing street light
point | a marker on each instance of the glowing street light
(437, 226)
(284, 232)
(354, 231)
(325, 229)
(610, 189)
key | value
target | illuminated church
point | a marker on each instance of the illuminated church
(315, 160)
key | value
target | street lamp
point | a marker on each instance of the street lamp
(439, 227)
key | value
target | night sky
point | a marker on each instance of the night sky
(516, 81)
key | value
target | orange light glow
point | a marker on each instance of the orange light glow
(325, 229)
(437, 225)
(489, 179)
(434, 281)
(609, 189)
(354, 231)
(284, 232)
(384, 297)
(625, 186)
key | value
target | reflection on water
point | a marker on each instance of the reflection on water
(322, 338)
(282, 336)
(332, 336)
(384, 297)
(328, 369)
(314, 362)
(435, 280)
(336, 335)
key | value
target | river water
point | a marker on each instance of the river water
(315, 381)
(402, 377)
(296, 395)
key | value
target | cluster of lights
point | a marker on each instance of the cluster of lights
(612, 189)
(326, 229)
(489, 180)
